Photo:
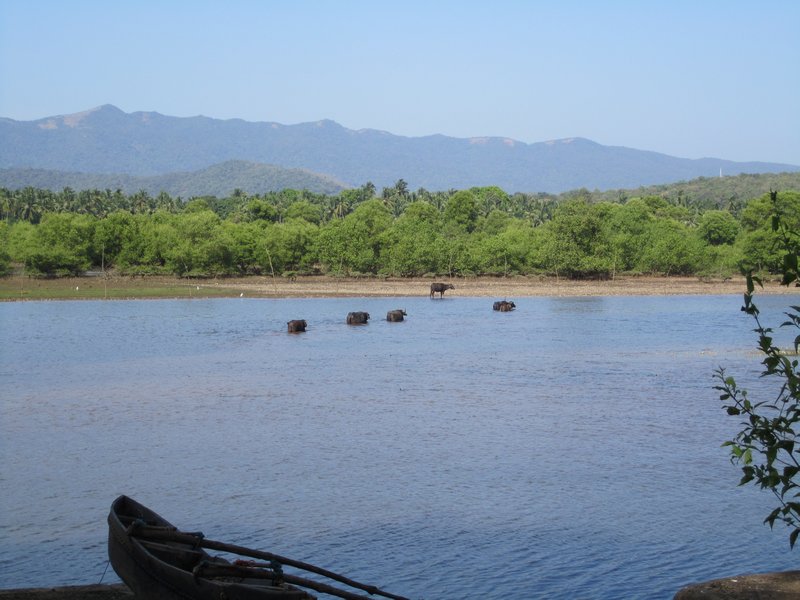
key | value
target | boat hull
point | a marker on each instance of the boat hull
(151, 577)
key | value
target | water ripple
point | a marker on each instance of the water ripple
(567, 450)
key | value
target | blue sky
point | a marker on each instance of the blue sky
(686, 78)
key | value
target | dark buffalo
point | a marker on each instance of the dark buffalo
(395, 315)
(441, 287)
(357, 318)
(504, 306)
(297, 325)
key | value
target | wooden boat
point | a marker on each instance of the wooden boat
(159, 562)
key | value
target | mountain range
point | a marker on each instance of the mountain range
(321, 156)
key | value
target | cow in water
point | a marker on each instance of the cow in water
(395, 315)
(297, 325)
(357, 318)
(504, 306)
(441, 287)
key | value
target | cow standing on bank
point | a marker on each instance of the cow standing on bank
(441, 287)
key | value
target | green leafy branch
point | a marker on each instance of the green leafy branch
(767, 447)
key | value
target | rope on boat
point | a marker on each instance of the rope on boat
(108, 562)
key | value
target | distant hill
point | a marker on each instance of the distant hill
(218, 180)
(722, 192)
(108, 140)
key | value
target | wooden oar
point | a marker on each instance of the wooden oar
(210, 570)
(163, 533)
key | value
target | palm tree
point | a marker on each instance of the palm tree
(341, 208)
(166, 202)
(5, 204)
(29, 207)
(141, 202)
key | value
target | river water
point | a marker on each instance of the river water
(570, 449)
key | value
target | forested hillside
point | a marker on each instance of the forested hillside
(108, 140)
(217, 180)
(481, 230)
(721, 192)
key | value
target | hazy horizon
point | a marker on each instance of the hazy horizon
(691, 80)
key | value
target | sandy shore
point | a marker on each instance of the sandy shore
(114, 287)
(500, 288)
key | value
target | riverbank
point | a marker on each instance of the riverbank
(318, 286)
(766, 586)
(783, 585)
(76, 592)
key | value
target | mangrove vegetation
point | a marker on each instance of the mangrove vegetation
(393, 232)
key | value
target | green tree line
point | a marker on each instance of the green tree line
(397, 232)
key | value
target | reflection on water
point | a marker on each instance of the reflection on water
(567, 449)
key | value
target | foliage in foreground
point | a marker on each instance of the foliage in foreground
(767, 446)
